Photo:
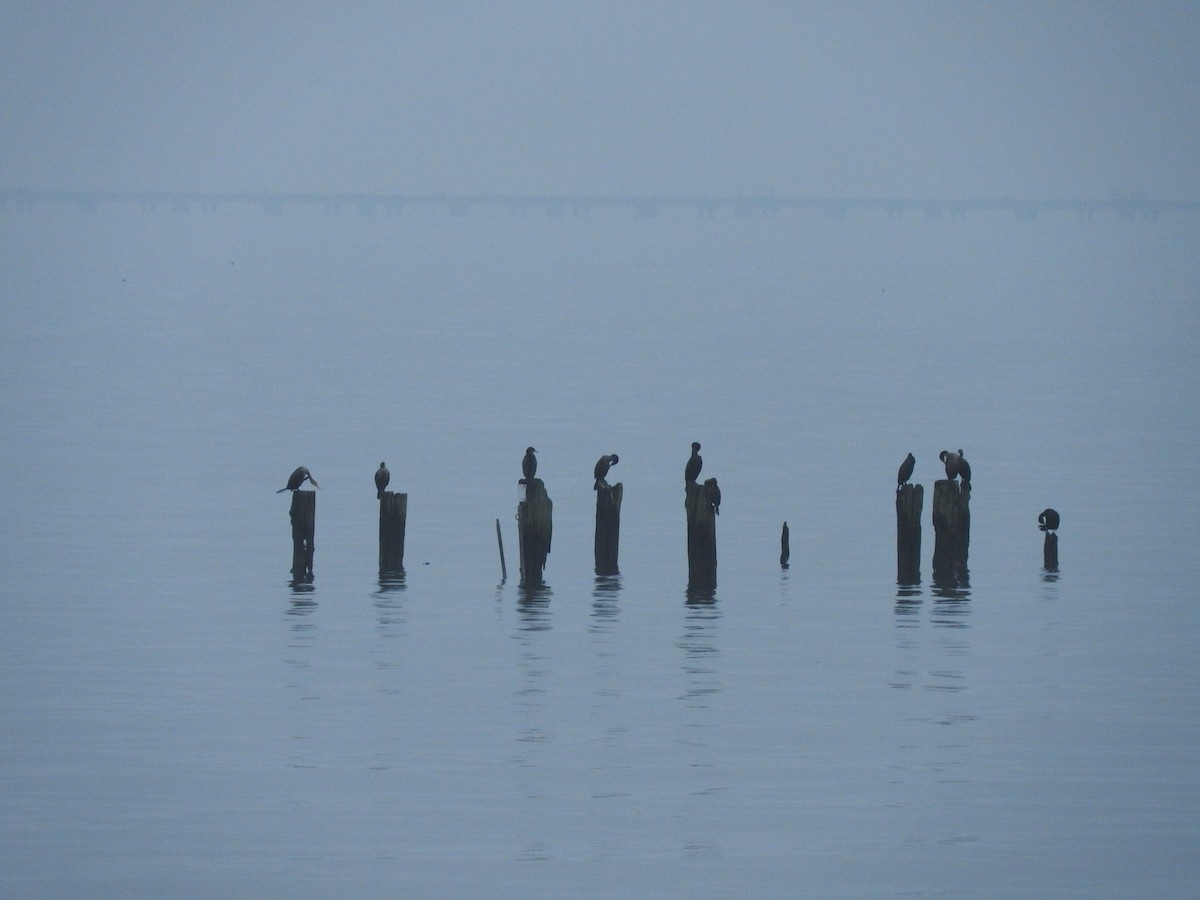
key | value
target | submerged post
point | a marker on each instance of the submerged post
(304, 525)
(785, 548)
(393, 515)
(534, 530)
(608, 527)
(910, 499)
(702, 538)
(951, 529)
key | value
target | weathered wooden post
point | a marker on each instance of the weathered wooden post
(702, 538)
(608, 527)
(785, 547)
(951, 529)
(534, 530)
(1050, 552)
(500, 542)
(910, 499)
(393, 516)
(304, 525)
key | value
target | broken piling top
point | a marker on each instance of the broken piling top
(393, 517)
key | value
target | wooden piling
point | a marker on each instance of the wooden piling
(608, 527)
(951, 529)
(1050, 552)
(500, 542)
(534, 530)
(702, 538)
(910, 499)
(785, 548)
(304, 525)
(393, 516)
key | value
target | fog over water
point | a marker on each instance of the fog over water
(180, 719)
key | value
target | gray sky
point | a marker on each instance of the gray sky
(948, 99)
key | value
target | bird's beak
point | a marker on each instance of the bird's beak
(314, 481)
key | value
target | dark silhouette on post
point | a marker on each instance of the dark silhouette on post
(382, 477)
(910, 499)
(1048, 521)
(951, 530)
(304, 525)
(785, 549)
(608, 527)
(298, 478)
(600, 473)
(528, 465)
(691, 471)
(534, 530)
(702, 538)
(393, 516)
(906, 471)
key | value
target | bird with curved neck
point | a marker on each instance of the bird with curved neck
(603, 464)
(298, 478)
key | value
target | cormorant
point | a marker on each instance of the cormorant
(298, 478)
(964, 467)
(906, 470)
(952, 461)
(713, 494)
(694, 464)
(382, 477)
(528, 466)
(1048, 520)
(603, 464)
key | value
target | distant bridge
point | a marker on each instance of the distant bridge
(1125, 207)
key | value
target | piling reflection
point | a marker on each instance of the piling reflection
(605, 594)
(908, 604)
(388, 608)
(700, 653)
(951, 603)
(533, 608)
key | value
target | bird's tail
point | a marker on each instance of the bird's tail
(379, 495)
(281, 490)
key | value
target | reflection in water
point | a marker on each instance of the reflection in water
(604, 602)
(391, 581)
(533, 606)
(700, 654)
(908, 605)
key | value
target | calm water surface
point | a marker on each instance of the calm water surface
(179, 719)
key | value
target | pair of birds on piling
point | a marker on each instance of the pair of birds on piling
(529, 468)
(301, 475)
(691, 472)
(956, 465)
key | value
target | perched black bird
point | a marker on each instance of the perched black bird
(964, 467)
(951, 460)
(382, 477)
(1048, 520)
(528, 466)
(906, 470)
(713, 494)
(298, 478)
(692, 470)
(603, 464)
